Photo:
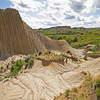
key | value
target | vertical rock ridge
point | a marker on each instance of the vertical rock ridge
(12, 33)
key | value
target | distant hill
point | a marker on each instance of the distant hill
(56, 28)
(67, 28)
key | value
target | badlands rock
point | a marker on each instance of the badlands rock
(16, 37)
(46, 82)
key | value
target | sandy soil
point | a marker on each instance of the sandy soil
(46, 82)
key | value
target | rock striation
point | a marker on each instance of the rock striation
(16, 37)
(46, 82)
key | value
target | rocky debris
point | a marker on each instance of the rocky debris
(16, 37)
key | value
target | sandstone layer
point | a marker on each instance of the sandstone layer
(46, 82)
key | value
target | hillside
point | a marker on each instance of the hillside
(16, 37)
(77, 37)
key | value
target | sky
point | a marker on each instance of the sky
(50, 13)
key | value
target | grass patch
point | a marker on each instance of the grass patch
(98, 93)
(1, 79)
(67, 92)
(1, 69)
(15, 68)
(85, 92)
(29, 60)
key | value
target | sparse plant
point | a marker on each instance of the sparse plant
(47, 52)
(29, 60)
(75, 90)
(1, 79)
(15, 68)
(1, 69)
(98, 82)
(98, 89)
(75, 39)
(98, 93)
(67, 92)
(85, 57)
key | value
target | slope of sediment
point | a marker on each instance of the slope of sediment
(16, 37)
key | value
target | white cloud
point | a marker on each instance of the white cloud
(47, 13)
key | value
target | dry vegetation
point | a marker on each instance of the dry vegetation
(89, 90)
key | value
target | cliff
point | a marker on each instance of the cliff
(16, 37)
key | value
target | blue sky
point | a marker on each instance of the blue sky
(5, 3)
(49, 13)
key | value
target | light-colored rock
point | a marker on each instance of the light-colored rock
(46, 82)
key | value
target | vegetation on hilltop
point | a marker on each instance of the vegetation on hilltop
(77, 38)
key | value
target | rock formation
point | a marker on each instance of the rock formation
(46, 82)
(16, 37)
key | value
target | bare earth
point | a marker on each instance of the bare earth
(46, 82)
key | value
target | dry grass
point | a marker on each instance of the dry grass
(86, 91)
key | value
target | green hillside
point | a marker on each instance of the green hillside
(76, 38)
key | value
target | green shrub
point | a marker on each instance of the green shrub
(29, 61)
(98, 89)
(98, 93)
(98, 83)
(19, 63)
(67, 92)
(75, 39)
(75, 90)
(15, 68)
(85, 57)
(1, 79)
(1, 69)
(89, 82)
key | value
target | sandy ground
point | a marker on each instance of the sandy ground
(46, 82)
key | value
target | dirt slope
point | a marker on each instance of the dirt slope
(46, 82)
(18, 38)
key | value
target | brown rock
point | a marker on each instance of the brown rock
(17, 37)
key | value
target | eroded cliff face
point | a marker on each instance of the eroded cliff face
(13, 38)
(17, 37)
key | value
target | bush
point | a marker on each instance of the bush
(75, 39)
(98, 89)
(1, 79)
(1, 69)
(98, 93)
(67, 92)
(98, 83)
(96, 48)
(16, 67)
(85, 57)
(29, 61)
(75, 90)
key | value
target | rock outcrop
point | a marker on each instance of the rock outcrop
(46, 82)
(16, 37)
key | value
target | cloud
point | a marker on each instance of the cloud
(23, 5)
(97, 3)
(47, 13)
(69, 17)
(77, 6)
